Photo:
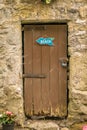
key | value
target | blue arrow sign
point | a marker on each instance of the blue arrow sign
(45, 41)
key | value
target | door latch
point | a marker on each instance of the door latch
(64, 62)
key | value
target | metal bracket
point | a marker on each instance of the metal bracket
(34, 76)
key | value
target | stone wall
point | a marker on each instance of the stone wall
(15, 12)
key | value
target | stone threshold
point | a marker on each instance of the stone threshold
(38, 126)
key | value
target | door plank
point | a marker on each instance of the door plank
(53, 72)
(37, 70)
(62, 32)
(28, 92)
(45, 82)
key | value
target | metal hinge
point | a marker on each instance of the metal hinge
(34, 76)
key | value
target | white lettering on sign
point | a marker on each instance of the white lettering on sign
(45, 41)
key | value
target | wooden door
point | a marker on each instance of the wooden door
(45, 71)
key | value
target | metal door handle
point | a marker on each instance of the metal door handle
(63, 62)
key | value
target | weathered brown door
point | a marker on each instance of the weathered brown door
(45, 71)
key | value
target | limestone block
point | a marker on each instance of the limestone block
(78, 87)
(9, 1)
(44, 126)
(64, 128)
(83, 11)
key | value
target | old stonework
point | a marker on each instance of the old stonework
(45, 86)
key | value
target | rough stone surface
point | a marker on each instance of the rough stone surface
(78, 126)
(43, 126)
(64, 129)
(15, 12)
